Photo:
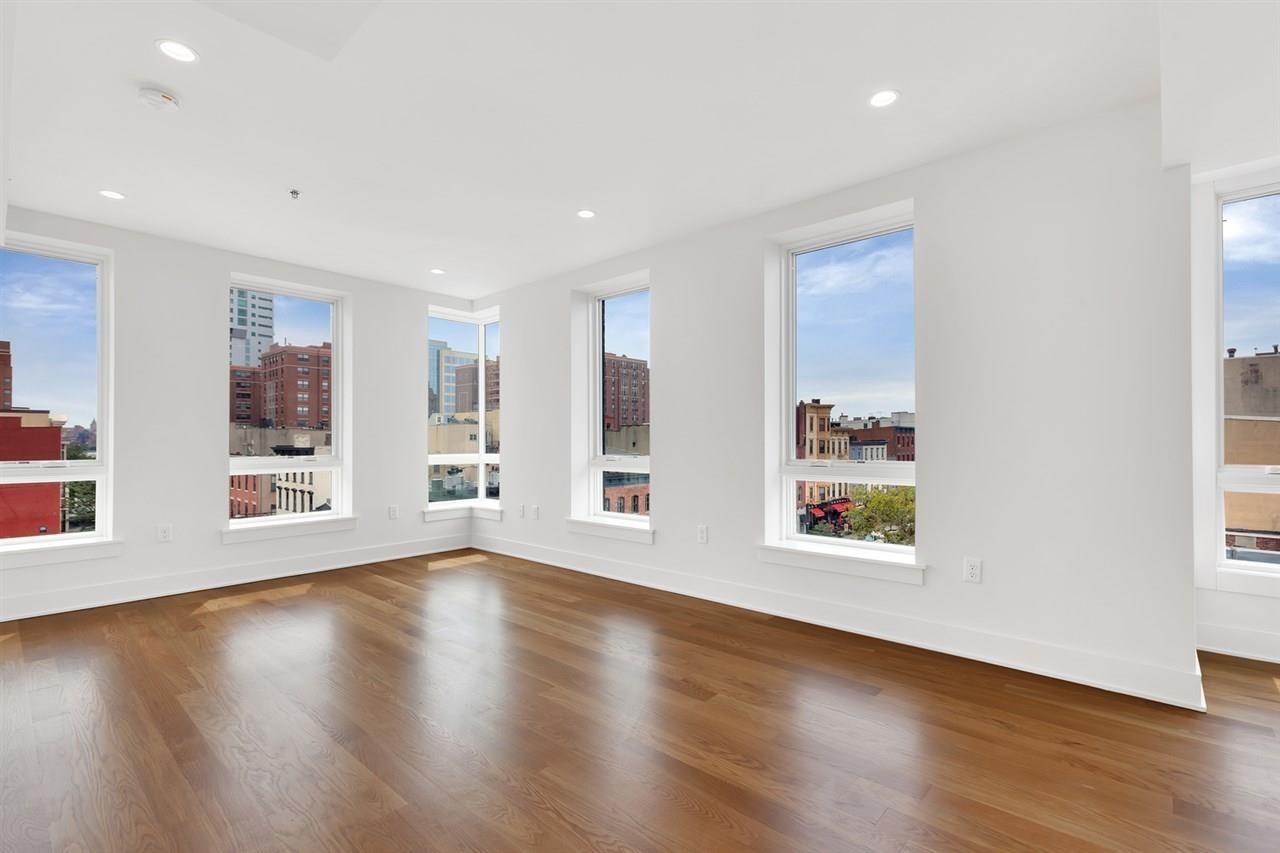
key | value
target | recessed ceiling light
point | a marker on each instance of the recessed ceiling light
(437, 271)
(177, 50)
(586, 214)
(111, 194)
(883, 99)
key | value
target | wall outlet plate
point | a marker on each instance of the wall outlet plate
(972, 570)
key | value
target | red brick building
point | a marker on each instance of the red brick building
(251, 495)
(625, 391)
(297, 390)
(247, 395)
(900, 440)
(467, 383)
(626, 493)
(29, 509)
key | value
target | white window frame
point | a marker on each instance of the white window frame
(600, 462)
(873, 473)
(783, 545)
(1230, 574)
(98, 470)
(337, 463)
(481, 458)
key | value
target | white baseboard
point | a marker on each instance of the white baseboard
(1239, 642)
(1160, 684)
(156, 586)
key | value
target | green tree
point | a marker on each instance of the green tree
(884, 513)
(81, 496)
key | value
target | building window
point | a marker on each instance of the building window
(463, 402)
(848, 474)
(54, 421)
(620, 461)
(282, 439)
(1249, 437)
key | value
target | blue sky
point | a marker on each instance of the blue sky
(626, 324)
(1251, 274)
(48, 311)
(855, 326)
(303, 322)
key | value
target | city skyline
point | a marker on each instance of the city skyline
(855, 325)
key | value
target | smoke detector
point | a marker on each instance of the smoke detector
(158, 99)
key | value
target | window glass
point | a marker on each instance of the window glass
(624, 374)
(453, 386)
(283, 493)
(41, 509)
(1253, 526)
(454, 482)
(48, 357)
(884, 514)
(274, 351)
(492, 386)
(1251, 331)
(626, 492)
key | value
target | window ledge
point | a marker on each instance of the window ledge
(860, 562)
(49, 553)
(628, 531)
(282, 529)
(487, 508)
(1233, 578)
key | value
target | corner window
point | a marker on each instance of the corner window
(849, 472)
(619, 468)
(53, 394)
(464, 353)
(1249, 458)
(286, 458)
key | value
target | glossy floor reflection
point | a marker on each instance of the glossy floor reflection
(473, 702)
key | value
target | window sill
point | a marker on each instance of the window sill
(1249, 581)
(859, 562)
(627, 531)
(47, 554)
(487, 509)
(259, 531)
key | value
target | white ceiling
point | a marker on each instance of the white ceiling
(465, 136)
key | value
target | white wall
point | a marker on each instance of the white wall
(1053, 393)
(171, 429)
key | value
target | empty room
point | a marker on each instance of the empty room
(664, 427)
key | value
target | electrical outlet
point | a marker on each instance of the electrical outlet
(522, 510)
(702, 534)
(972, 570)
(164, 533)
(393, 512)
(534, 511)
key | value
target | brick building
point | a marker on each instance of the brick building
(625, 391)
(296, 383)
(30, 509)
(247, 395)
(467, 386)
(626, 493)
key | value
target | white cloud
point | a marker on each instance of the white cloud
(880, 267)
(1251, 231)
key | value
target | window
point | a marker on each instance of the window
(848, 474)
(463, 403)
(286, 458)
(620, 462)
(53, 395)
(1249, 459)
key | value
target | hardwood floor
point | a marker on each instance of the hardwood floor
(468, 701)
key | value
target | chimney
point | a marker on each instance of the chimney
(817, 400)
(1231, 352)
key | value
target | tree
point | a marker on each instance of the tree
(81, 496)
(884, 513)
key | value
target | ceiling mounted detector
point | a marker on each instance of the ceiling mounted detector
(158, 98)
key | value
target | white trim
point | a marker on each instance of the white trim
(1134, 678)
(481, 458)
(627, 531)
(846, 560)
(64, 550)
(1239, 642)
(487, 513)
(443, 511)
(1259, 581)
(155, 586)
(283, 526)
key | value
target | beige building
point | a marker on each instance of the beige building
(816, 439)
(1251, 436)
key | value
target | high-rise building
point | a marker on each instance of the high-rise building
(252, 320)
(247, 395)
(6, 376)
(625, 390)
(448, 361)
(467, 383)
